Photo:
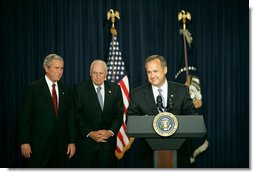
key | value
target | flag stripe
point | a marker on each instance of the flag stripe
(125, 89)
(126, 140)
(119, 148)
(120, 137)
(124, 126)
(117, 74)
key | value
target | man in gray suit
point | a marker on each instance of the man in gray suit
(175, 99)
(98, 112)
(46, 122)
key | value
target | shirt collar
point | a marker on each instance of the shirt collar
(164, 87)
(96, 86)
(49, 82)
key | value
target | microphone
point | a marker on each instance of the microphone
(159, 103)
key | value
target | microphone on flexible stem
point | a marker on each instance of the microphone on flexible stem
(159, 103)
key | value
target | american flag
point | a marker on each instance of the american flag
(117, 74)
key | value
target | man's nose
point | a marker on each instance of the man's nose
(152, 74)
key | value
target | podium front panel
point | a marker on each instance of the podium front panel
(189, 126)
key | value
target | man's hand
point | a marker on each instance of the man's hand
(71, 150)
(97, 136)
(100, 135)
(105, 134)
(26, 150)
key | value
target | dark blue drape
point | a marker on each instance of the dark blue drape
(79, 31)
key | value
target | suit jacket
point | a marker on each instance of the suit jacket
(142, 100)
(40, 127)
(90, 117)
(142, 103)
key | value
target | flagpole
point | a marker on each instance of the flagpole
(113, 57)
(184, 15)
(186, 58)
(112, 15)
(117, 75)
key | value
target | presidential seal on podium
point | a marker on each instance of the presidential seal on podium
(165, 124)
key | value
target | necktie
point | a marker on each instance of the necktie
(161, 107)
(54, 97)
(100, 97)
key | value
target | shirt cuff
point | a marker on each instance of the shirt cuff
(88, 134)
(111, 132)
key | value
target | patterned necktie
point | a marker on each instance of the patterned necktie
(54, 97)
(162, 98)
(100, 97)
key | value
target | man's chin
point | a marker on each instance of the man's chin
(154, 84)
(98, 83)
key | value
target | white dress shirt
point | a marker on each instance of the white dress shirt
(50, 83)
(164, 92)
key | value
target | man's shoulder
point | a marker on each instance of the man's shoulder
(176, 85)
(111, 85)
(36, 83)
(141, 88)
(33, 87)
(63, 85)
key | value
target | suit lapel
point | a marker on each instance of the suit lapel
(61, 97)
(47, 95)
(93, 96)
(108, 93)
(149, 98)
(171, 90)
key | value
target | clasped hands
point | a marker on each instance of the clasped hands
(100, 135)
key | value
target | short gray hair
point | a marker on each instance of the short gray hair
(48, 59)
(159, 57)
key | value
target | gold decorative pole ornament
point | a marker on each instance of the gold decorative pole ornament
(183, 15)
(111, 14)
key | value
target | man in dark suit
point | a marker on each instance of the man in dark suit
(46, 123)
(175, 97)
(98, 112)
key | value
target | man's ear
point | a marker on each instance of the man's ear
(165, 70)
(46, 69)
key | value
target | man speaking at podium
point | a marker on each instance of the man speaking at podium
(157, 96)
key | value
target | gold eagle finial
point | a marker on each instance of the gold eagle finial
(111, 14)
(183, 15)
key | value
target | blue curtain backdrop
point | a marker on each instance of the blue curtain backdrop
(79, 32)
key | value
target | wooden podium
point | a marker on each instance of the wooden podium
(165, 148)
